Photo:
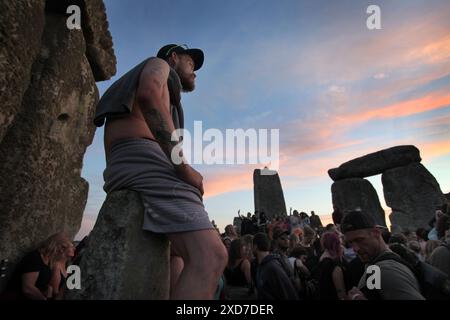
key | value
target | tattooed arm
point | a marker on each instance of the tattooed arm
(153, 99)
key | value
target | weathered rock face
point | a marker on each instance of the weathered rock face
(20, 44)
(49, 96)
(268, 194)
(122, 261)
(350, 194)
(94, 23)
(376, 163)
(41, 155)
(99, 45)
(413, 194)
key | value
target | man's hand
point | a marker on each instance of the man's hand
(356, 294)
(191, 176)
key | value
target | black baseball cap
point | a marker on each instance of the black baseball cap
(196, 54)
(356, 220)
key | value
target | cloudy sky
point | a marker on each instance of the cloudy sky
(312, 69)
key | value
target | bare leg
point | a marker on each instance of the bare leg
(176, 267)
(204, 257)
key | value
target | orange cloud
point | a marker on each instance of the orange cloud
(223, 181)
(434, 52)
(401, 109)
(434, 149)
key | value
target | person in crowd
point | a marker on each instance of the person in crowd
(262, 224)
(237, 272)
(398, 238)
(59, 270)
(330, 271)
(31, 280)
(414, 246)
(397, 281)
(304, 219)
(433, 234)
(272, 280)
(294, 241)
(227, 243)
(442, 225)
(294, 221)
(247, 242)
(230, 232)
(430, 247)
(440, 257)
(422, 237)
(315, 221)
(337, 216)
(311, 246)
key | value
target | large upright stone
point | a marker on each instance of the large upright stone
(94, 23)
(99, 44)
(41, 155)
(413, 194)
(354, 193)
(268, 193)
(123, 261)
(376, 163)
(21, 26)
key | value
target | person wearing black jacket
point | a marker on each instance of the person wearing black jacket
(272, 280)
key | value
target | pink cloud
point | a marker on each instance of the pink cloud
(401, 109)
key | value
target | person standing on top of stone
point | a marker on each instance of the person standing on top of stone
(315, 221)
(142, 111)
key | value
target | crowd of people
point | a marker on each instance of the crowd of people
(295, 257)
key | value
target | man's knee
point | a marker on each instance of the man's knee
(222, 255)
(214, 260)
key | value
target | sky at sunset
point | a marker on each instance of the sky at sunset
(312, 69)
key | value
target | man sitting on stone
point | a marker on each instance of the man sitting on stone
(142, 111)
(397, 281)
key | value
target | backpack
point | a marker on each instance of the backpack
(309, 288)
(293, 277)
(434, 284)
(306, 287)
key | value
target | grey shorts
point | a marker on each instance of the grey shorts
(171, 205)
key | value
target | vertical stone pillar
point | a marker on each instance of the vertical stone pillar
(122, 261)
(268, 193)
(413, 194)
(352, 193)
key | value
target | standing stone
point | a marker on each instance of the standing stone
(122, 261)
(94, 24)
(268, 193)
(376, 163)
(41, 155)
(413, 194)
(21, 26)
(354, 193)
(99, 44)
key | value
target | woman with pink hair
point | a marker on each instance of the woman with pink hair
(330, 272)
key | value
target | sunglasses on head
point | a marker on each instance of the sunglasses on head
(184, 46)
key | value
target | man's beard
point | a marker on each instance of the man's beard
(187, 84)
